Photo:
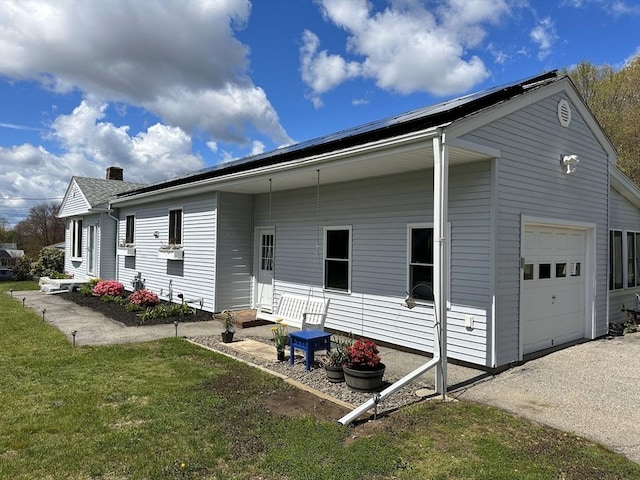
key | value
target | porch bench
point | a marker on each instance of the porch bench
(305, 313)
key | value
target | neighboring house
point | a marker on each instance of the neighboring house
(624, 246)
(90, 232)
(9, 254)
(350, 217)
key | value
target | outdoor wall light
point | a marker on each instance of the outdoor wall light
(569, 163)
(156, 234)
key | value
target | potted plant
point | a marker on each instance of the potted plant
(335, 359)
(363, 370)
(280, 337)
(126, 249)
(229, 327)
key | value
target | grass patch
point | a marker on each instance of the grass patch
(170, 410)
(18, 286)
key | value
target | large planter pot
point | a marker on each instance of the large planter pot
(364, 380)
(227, 337)
(334, 374)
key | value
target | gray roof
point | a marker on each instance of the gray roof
(98, 190)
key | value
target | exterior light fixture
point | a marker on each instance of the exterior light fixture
(176, 325)
(569, 163)
(156, 234)
(24, 299)
(44, 310)
(11, 292)
(73, 334)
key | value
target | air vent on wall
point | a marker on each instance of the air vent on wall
(564, 113)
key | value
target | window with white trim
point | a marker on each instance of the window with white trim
(615, 260)
(337, 258)
(175, 227)
(129, 232)
(76, 238)
(633, 259)
(420, 256)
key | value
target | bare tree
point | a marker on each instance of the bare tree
(40, 228)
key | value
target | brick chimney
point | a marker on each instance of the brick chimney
(114, 173)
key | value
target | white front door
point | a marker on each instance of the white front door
(553, 287)
(265, 248)
(91, 249)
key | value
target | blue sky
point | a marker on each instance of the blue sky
(165, 87)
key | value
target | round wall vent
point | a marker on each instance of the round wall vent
(564, 113)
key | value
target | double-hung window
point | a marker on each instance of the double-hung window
(633, 259)
(337, 258)
(615, 260)
(175, 227)
(420, 256)
(624, 259)
(129, 235)
(76, 238)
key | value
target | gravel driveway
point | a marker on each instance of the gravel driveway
(592, 390)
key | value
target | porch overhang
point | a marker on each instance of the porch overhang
(406, 153)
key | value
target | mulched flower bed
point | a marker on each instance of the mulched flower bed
(130, 319)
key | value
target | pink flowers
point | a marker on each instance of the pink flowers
(143, 298)
(108, 287)
(363, 354)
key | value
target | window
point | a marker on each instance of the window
(129, 235)
(76, 238)
(421, 263)
(615, 260)
(337, 258)
(633, 262)
(175, 227)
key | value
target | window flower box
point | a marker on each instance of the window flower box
(170, 253)
(126, 251)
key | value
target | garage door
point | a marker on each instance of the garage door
(553, 287)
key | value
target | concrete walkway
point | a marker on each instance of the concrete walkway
(591, 390)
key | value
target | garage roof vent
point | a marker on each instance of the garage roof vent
(564, 113)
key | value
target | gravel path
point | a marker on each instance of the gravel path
(316, 377)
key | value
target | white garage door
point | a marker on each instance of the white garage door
(553, 287)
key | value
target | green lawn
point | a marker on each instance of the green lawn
(169, 409)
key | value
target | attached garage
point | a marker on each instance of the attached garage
(554, 295)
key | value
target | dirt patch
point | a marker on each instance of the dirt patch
(297, 403)
(130, 319)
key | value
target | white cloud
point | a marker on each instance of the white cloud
(179, 60)
(90, 145)
(405, 48)
(544, 35)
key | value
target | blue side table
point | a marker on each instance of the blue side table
(310, 341)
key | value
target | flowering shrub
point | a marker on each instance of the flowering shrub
(280, 334)
(108, 287)
(143, 298)
(363, 354)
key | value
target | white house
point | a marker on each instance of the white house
(525, 178)
(90, 234)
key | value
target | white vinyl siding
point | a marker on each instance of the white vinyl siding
(378, 211)
(194, 276)
(531, 182)
(625, 218)
(74, 202)
(234, 252)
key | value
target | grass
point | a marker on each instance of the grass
(170, 410)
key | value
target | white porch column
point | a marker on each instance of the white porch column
(440, 261)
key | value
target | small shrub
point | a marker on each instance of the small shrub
(132, 307)
(108, 287)
(118, 300)
(86, 289)
(143, 298)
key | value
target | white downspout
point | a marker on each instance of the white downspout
(440, 276)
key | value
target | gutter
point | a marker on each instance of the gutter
(440, 286)
(117, 220)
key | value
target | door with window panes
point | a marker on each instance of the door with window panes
(553, 287)
(265, 246)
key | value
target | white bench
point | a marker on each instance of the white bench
(305, 313)
(51, 286)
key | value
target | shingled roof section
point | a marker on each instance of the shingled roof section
(99, 191)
